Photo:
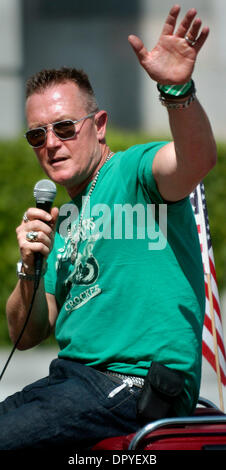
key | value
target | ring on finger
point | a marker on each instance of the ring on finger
(191, 42)
(32, 236)
(25, 217)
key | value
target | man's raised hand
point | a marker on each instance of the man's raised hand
(173, 58)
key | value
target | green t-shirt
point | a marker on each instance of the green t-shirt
(136, 290)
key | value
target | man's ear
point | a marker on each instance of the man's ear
(101, 123)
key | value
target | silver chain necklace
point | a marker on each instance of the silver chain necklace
(74, 243)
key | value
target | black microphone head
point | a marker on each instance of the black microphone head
(45, 190)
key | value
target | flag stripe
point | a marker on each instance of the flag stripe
(215, 302)
(208, 325)
(210, 356)
(209, 353)
(208, 341)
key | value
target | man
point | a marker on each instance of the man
(117, 305)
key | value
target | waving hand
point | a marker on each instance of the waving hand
(173, 58)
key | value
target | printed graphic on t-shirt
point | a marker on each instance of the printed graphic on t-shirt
(85, 267)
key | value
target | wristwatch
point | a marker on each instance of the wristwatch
(21, 275)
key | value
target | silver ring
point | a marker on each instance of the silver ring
(190, 41)
(25, 217)
(32, 236)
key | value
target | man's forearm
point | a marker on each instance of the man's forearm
(193, 138)
(180, 166)
(38, 327)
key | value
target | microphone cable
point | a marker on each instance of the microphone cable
(36, 284)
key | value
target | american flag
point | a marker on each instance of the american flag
(212, 341)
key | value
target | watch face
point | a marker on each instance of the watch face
(21, 275)
(19, 267)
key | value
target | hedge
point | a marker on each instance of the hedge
(19, 171)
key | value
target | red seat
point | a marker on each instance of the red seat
(205, 429)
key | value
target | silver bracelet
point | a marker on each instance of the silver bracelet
(175, 104)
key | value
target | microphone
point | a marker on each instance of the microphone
(44, 194)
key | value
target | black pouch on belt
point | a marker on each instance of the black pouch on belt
(162, 387)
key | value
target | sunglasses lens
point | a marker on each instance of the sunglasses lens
(36, 137)
(64, 129)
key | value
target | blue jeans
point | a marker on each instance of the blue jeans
(69, 407)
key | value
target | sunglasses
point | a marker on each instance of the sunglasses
(64, 130)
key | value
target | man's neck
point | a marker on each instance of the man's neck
(75, 190)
